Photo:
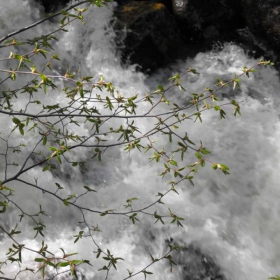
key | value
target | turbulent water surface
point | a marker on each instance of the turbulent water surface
(231, 224)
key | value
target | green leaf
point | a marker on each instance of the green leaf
(205, 151)
(75, 262)
(104, 213)
(52, 148)
(55, 56)
(45, 139)
(43, 271)
(160, 87)
(58, 158)
(16, 121)
(59, 186)
(21, 130)
(63, 264)
(173, 162)
(89, 189)
(133, 218)
(192, 70)
(170, 137)
(198, 155)
(39, 260)
(4, 205)
(45, 88)
(224, 166)
(6, 188)
(71, 254)
(65, 202)
(222, 114)
(46, 168)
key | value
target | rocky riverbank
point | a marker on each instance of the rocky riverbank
(153, 33)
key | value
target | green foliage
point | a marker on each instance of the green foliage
(276, 277)
(53, 126)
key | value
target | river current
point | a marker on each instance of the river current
(232, 220)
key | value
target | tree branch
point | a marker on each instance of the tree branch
(40, 21)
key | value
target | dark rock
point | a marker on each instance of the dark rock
(207, 21)
(166, 3)
(152, 35)
(179, 7)
(52, 5)
(158, 31)
(263, 20)
(250, 43)
(196, 265)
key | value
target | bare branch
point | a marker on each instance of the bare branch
(40, 21)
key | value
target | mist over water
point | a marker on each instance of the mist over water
(232, 219)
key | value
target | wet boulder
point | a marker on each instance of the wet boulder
(207, 21)
(263, 20)
(148, 33)
(195, 265)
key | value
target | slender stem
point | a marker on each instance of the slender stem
(40, 22)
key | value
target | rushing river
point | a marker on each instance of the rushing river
(231, 220)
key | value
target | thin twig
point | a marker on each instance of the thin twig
(39, 22)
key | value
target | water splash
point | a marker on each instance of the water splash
(233, 219)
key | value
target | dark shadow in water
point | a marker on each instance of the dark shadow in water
(196, 265)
